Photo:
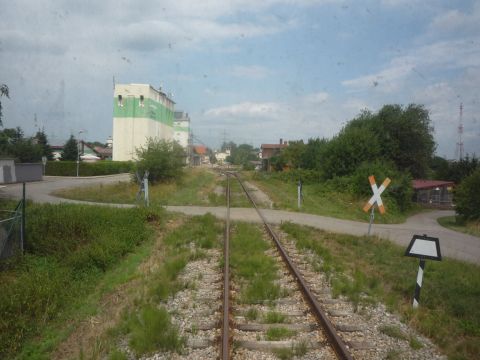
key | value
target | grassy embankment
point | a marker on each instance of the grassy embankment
(72, 258)
(320, 199)
(368, 270)
(147, 326)
(83, 264)
(471, 227)
(196, 187)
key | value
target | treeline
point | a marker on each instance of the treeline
(242, 154)
(397, 141)
(14, 144)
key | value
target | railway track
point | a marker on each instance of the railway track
(297, 317)
(303, 313)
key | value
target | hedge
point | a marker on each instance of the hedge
(105, 167)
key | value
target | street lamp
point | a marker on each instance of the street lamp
(78, 151)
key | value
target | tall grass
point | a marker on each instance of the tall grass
(68, 248)
(376, 270)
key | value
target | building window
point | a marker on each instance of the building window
(120, 100)
(142, 101)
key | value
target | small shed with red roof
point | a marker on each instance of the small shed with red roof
(433, 192)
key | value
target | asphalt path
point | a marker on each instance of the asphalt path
(453, 244)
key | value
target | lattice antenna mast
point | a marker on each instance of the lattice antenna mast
(460, 133)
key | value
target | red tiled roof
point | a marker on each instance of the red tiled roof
(427, 184)
(200, 149)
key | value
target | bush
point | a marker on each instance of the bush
(69, 168)
(163, 160)
(400, 189)
(467, 197)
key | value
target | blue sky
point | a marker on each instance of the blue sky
(257, 71)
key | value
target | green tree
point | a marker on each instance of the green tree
(313, 154)
(12, 143)
(70, 149)
(42, 141)
(459, 170)
(3, 92)
(404, 134)
(346, 151)
(293, 154)
(467, 197)
(163, 160)
(242, 154)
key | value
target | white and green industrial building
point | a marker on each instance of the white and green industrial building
(181, 128)
(140, 112)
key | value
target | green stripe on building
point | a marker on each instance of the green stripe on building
(179, 128)
(151, 109)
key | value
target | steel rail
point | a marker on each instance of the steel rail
(335, 340)
(226, 280)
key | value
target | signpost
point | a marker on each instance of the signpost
(299, 193)
(44, 162)
(377, 191)
(422, 247)
(143, 187)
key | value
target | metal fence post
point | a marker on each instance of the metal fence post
(22, 228)
(372, 217)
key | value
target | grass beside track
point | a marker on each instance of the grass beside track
(197, 187)
(72, 257)
(320, 200)
(148, 326)
(471, 227)
(367, 269)
(81, 258)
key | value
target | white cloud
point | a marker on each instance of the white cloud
(421, 61)
(247, 109)
(455, 21)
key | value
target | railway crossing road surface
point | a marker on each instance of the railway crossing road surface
(454, 244)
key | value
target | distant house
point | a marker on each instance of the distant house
(87, 152)
(200, 155)
(438, 193)
(222, 156)
(104, 153)
(270, 150)
(57, 151)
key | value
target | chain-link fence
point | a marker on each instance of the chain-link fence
(11, 232)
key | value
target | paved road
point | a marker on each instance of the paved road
(453, 244)
(40, 191)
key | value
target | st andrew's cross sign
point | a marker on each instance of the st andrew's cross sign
(377, 191)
